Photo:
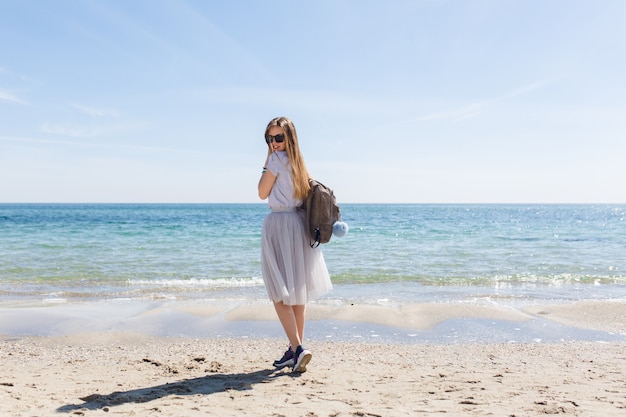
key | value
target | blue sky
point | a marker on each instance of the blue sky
(427, 101)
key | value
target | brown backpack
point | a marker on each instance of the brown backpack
(322, 212)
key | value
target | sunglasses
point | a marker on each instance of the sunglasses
(278, 138)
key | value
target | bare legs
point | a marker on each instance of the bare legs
(292, 318)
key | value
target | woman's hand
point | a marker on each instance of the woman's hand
(269, 153)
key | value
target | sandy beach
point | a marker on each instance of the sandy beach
(138, 374)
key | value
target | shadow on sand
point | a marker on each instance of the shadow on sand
(208, 384)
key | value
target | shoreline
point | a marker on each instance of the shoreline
(442, 323)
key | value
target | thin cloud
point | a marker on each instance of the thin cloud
(456, 115)
(92, 130)
(475, 109)
(469, 112)
(141, 148)
(74, 132)
(41, 141)
(93, 111)
(12, 98)
(525, 89)
(237, 50)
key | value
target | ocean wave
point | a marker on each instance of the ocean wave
(195, 282)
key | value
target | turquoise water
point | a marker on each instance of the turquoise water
(392, 252)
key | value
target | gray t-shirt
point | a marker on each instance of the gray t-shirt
(281, 196)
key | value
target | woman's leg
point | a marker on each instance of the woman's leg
(300, 313)
(292, 318)
(301, 355)
(287, 316)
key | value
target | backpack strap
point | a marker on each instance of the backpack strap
(316, 242)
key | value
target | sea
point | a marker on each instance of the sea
(398, 252)
(393, 254)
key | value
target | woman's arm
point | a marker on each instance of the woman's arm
(267, 179)
(265, 184)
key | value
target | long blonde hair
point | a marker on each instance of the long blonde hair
(300, 174)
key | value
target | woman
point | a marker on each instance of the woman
(293, 272)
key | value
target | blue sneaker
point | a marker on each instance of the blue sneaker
(302, 358)
(286, 360)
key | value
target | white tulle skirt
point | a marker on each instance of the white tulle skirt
(293, 272)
